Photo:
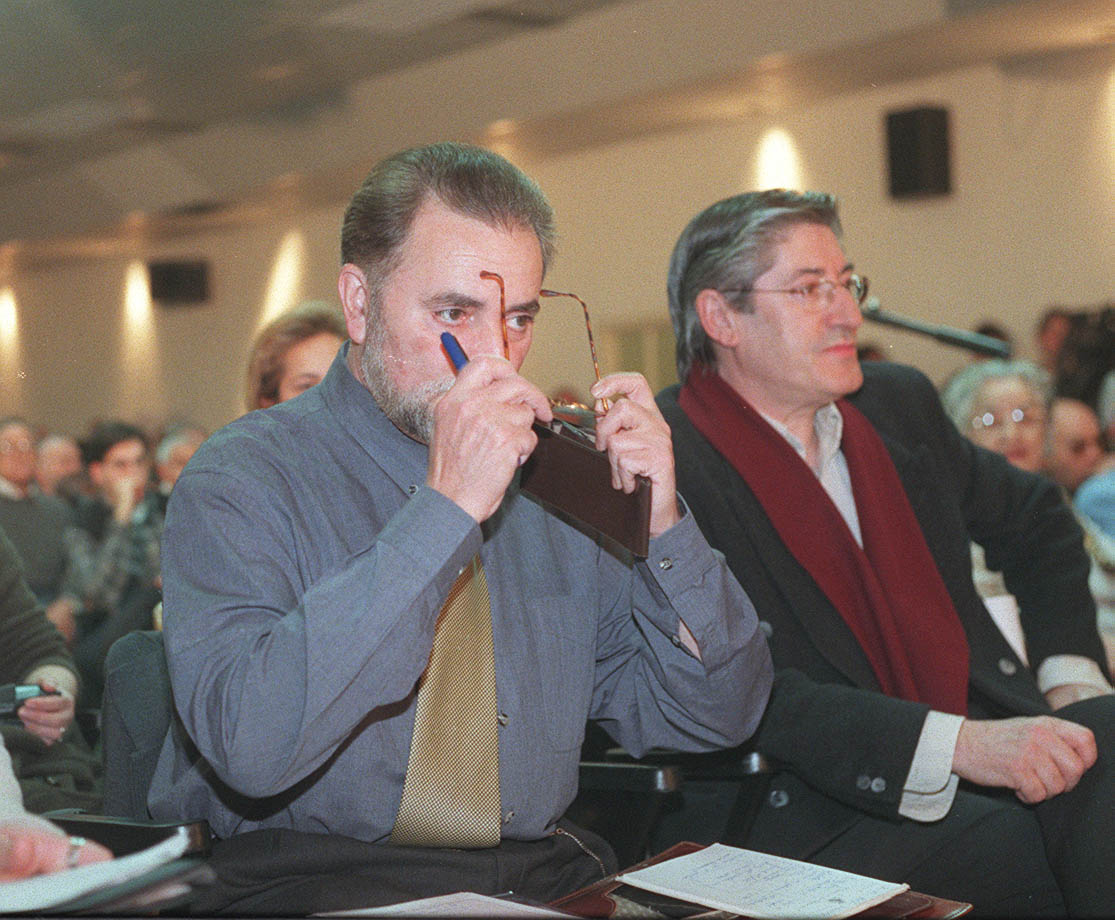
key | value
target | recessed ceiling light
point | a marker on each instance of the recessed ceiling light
(502, 127)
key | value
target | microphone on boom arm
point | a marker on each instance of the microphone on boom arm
(973, 341)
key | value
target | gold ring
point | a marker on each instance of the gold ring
(76, 843)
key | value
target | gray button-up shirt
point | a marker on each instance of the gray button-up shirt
(303, 574)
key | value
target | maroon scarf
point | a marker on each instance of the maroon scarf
(890, 593)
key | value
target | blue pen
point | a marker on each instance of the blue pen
(453, 349)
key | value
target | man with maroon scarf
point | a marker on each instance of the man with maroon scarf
(907, 739)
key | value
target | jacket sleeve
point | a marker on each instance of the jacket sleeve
(30, 639)
(854, 745)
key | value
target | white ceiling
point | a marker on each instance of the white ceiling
(190, 109)
(85, 80)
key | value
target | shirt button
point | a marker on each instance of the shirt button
(507, 817)
(863, 782)
(1008, 667)
(412, 489)
(766, 629)
(666, 564)
(779, 798)
(878, 784)
(502, 718)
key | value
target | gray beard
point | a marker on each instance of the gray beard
(411, 412)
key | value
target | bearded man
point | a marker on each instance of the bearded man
(311, 549)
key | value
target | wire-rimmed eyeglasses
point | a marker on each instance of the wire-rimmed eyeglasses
(1025, 416)
(577, 416)
(815, 293)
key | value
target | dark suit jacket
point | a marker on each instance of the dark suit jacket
(827, 721)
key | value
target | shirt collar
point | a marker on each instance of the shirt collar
(828, 424)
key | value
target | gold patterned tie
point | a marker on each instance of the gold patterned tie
(451, 792)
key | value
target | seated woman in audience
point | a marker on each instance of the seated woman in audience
(293, 352)
(1004, 406)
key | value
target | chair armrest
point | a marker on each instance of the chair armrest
(732, 764)
(629, 777)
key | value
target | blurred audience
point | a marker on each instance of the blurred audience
(1096, 501)
(1005, 407)
(1002, 405)
(993, 330)
(1105, 408)
(35, 523)
(1049, 335)
(1087, 356)
(1073, 443)
(172, 455)
(117, 545)
(293, 352)
(57, 458)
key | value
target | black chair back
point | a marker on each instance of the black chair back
(136, 715)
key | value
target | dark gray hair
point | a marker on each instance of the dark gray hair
(725, 248)
(180, 434)
(960, 393)
(470, 180)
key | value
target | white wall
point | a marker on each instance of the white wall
(1031, 221)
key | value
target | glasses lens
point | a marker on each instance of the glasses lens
(857, 285)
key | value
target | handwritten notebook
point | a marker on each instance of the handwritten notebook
(762, 886)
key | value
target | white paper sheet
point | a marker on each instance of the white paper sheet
(460, 904)
(761, 886)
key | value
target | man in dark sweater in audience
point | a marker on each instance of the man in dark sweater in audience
(35, 523)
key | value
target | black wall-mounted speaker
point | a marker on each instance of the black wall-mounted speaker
(918, 152)
(176, 283)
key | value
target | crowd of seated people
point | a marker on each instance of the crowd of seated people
(52, 758)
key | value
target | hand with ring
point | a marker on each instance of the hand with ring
(30, 845)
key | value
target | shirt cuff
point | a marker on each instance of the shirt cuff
(931, 784)
(1057, 670)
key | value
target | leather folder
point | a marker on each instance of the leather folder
(568, 472)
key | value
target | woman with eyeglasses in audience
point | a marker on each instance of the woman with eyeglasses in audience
(1004, 406)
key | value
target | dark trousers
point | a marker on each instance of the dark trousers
(1079, 826)
(294, 874)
